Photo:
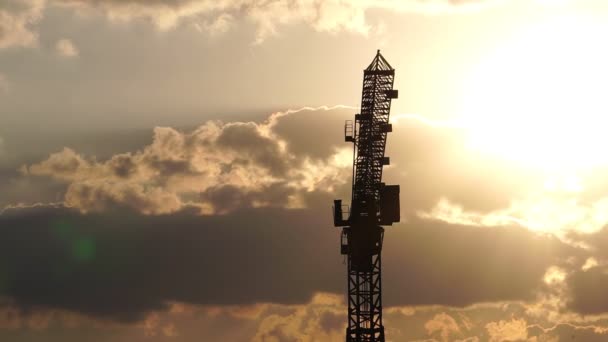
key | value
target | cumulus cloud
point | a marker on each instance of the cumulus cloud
(435, 162)
(239, 162)
(216, 26)
(223, 166)
(17, 18)
(267, 16)
(569, 331)
(65, 48)
(323, 319)
(542, 212)
(513, 330)
(13, 318)
(254, 174)
(320, 318)
(444, 326)
(216, 168)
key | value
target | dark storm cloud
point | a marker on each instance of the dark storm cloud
(586, 286)
(120, 265)
(588, 291)
(459, 265)
(596, 242)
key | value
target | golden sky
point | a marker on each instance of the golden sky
(167, 168)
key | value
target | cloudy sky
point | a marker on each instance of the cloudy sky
(167, 168)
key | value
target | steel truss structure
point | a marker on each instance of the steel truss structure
(373, 204)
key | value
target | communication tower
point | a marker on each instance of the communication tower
(373, 204)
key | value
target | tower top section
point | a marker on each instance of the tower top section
(379, 64)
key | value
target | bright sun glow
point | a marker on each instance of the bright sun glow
(542, 98)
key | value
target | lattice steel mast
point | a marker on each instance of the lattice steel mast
(373, 204)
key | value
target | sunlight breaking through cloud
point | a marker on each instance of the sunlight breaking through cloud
(216, 168)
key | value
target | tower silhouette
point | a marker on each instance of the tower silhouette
(373, 204)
